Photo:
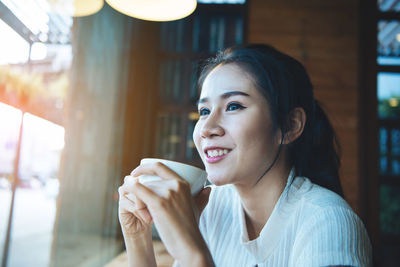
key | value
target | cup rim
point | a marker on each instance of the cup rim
(173, 161)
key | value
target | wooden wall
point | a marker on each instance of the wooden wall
(323, 35)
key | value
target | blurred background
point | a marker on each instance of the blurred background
(84, 98)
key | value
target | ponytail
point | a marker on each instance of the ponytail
(316, 154)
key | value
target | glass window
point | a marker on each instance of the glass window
(17, 48)
(10, 119)
(388, 95)
(35, 197)
(194, 76)
(217, 32)
(388, 43)
(382, 60)
(388, 98)
(390, 209)
(173, 36)
(170, 88)
(389, 5)
(383, 162)
(389, 143)
(168, 139)
(395, 151)
(383, 136)
(191, 152)
(395, 144)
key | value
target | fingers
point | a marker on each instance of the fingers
(135, 197)
(127, 206)
(145, 215)
(145, 194)
(201, 199)
(125, 191)
(129, 203)
(158, 169)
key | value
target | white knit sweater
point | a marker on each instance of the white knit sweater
(309, 226)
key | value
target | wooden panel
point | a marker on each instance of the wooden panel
(323, 35)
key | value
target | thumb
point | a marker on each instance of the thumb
(201, 199)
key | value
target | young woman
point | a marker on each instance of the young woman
(271, 155)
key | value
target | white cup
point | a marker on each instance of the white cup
(195, 176)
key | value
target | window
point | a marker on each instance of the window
(34, 61)
(388, 95)
(380, 96)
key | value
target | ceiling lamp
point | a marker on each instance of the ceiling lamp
(155, 10)
(76, 8)
(86, 7)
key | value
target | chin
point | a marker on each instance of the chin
(217, 182)
(218, 179)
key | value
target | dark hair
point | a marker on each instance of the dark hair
(285, 84)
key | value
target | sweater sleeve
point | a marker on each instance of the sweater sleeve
(332, 236)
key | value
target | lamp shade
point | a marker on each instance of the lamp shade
(76, 8)
(154, 10)
(83, 8)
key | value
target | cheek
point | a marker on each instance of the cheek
(196, 136)
(257, 136)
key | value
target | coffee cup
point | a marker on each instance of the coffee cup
(195, 176)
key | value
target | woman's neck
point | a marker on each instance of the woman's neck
(259, 200)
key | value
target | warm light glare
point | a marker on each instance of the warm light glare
(45, 132)
(388, 85)
(398, 37)
(194, 116)
(10, 120)
(15, 49)
(30, 14)
(76, 8)
(155, 10)
(86, 7)
(393, 102)
(9, 116)
(39, 51)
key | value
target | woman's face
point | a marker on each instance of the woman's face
(234, 136)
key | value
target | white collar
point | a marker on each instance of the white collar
(262, 247)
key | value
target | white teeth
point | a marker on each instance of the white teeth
(217, 152)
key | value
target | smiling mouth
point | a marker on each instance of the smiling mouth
(213, 153)
(216, 154)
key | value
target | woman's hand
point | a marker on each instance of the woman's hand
(136, 224)
(171, 207)
(133, 214)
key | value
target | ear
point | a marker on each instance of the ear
(297, 121)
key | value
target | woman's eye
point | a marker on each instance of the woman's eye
(234, 106)
(204, 111)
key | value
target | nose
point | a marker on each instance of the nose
(212, 127)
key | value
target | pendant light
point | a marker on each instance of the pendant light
(76, 8)
(155, 10)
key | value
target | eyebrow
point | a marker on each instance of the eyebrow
(224, 96)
